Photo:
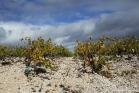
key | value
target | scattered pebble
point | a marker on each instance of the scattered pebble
(69, 78)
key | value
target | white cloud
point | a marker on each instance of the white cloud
(64, 33)
(60, 40)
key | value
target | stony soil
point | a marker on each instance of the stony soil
(123, 77)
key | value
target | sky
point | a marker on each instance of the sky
(64, 21)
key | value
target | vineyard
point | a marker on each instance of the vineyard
(35, 50)
(102, 66)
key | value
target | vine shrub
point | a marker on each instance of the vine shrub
(106, 46)
(37, 48)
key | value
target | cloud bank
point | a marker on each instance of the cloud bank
(67, 20)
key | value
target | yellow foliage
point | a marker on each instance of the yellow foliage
(86, 62)
(133, 50)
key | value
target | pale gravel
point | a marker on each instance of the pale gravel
(13, 80)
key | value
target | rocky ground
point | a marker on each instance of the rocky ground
(122, 77)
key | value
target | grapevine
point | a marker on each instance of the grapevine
(105, 46)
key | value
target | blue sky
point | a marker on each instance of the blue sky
(67, 20)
